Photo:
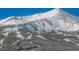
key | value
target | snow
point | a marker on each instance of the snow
(55, 17)
(40, 37)
(76, 44)
(29, 19)
(14, 29)
(67, 40)
(29, 37)
(5, 33)
(15, 42)
(1, 42)
(77, 36)
(19, 35)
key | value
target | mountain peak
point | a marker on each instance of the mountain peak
(56, 10)
(55, 13)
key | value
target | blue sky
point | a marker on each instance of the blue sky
(6, 12)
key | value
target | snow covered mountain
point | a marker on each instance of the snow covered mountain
(52, 30)
(56, 19)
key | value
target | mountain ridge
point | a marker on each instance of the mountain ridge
(55, 19)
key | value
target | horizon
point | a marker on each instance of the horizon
(7, 12)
